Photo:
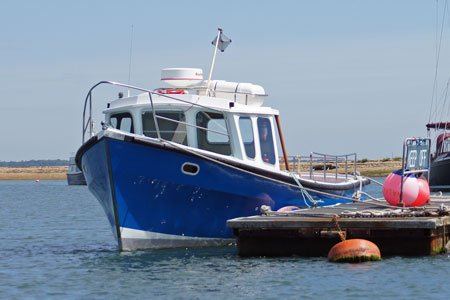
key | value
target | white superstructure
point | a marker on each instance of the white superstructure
(230, 121)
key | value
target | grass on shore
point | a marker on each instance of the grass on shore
(377, 173)
(369, 169)
(33, 173)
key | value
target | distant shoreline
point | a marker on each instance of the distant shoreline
(370, 168)
(33, 173)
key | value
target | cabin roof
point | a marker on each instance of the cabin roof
(186, 100)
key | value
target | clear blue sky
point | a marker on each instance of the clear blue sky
(347, 76)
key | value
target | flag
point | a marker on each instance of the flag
(224, 41)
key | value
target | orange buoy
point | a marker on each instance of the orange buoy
(354, 250)
(288, 208)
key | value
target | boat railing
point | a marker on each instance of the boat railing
(88, 122)
(327, 162)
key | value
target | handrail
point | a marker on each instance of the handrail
(88, 123)
(326, 158)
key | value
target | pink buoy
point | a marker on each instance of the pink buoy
(37, 180)
(288, 208)
(424, 193)
(392, 188)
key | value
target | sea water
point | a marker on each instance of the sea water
(55, 243)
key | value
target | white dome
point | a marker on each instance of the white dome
(182, 77)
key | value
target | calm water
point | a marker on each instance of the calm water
(56, 244)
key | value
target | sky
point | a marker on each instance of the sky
(347, 76)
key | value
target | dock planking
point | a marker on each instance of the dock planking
(313, 231)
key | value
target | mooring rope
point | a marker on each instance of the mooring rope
(336, 224)
(301, 187)
(258, 175)
(304, 192)
(373, 180)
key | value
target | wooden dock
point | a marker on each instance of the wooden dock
(313, 231)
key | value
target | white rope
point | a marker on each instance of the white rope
(373, 180)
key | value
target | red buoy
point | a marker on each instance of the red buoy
(415, 190)
(288, 208)
(354, 250)
(424, 193)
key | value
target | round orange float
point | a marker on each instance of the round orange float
(354, 250)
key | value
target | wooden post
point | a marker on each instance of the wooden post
(277, 118)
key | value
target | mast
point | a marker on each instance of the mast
(286, 161)
(219, 32)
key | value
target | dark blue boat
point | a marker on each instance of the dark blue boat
(440, 158)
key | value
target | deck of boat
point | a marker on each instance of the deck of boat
(328, 178)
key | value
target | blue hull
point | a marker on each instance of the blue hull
(146, 196)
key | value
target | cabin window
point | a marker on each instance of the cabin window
(213, 136)
(122, 121)
(266, 140)
(170, 127)
(246, 128)
(445, 147)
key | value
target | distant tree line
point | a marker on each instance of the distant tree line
(35, 163)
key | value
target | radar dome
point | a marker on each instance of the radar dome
(182, 77)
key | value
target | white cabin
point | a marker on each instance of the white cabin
(234, 125)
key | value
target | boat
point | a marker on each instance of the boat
(440, 157)
(171, 165)
(438, 126)
(74, 174)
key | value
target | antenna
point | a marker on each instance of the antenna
(131, 51)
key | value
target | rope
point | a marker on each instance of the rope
(373, 180)
(286, 183)
(434, 98)
(439, 196)
(301, 187)
(305, 193)
(443, 210)
(306, 212)
(258, 175)
(377, 199)
(336, 224)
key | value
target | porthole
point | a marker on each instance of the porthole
(190, 168)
